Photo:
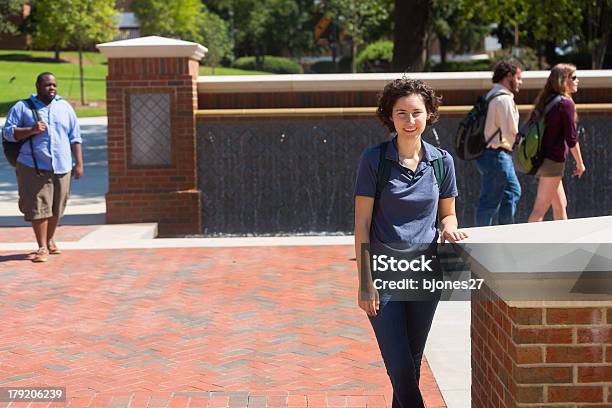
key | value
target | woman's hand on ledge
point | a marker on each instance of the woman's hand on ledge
(452, 234)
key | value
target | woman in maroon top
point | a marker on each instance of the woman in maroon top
(559, 139)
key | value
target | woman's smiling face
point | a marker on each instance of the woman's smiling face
(409, 116)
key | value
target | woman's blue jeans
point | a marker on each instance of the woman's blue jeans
(401, 330)
(500, 189)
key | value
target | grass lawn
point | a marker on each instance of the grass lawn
(18, 71)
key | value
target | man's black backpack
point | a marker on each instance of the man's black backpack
(470, 140)
(12, 149)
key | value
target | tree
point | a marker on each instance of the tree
(411, 21)
(355, 18)
(596, 29)
(215, 35)
(548, 25)
(180, 19)
(9, 9)
(543, 26)
(289, 27)
(51, 25)
(60, 23)
(457, 26)
(276, 27)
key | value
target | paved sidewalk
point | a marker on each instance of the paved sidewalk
(218, 327)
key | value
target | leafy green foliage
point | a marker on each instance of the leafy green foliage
(524, 56)
(8, 9)
(378, 54)
(170, 18)
(596, 30)
(462, 66)
(277, 65)
(60, 23)
(541, 25)
(356, 17)
(456, 25)
(215, 36)
(268, 26)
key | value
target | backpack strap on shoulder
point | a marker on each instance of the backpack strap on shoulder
(553, 102)
(437, 163)
(32, 107)
(382, 174)
(495, 95)
(498, 131)
(384, 170)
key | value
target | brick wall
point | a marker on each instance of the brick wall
(544, 357)
(166, 194)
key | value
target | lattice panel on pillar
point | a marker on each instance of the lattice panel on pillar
(151, 140)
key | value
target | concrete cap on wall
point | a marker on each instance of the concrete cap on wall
(480, 80)
(153, 47)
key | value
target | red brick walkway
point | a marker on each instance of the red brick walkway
(205, 327)
(66, 233)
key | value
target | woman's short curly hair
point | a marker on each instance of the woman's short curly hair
(406, 87)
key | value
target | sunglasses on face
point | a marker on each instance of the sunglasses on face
(574, 77)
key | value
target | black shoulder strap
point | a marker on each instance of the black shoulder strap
(498, 131)
(553, 102)
(31, 105)
(495, 95)
(382, 174)
(438, 165)
(384, 170)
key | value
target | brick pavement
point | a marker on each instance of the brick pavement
(65, 233)
(203, 327)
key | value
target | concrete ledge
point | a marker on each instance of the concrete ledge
(480, 80)
(359, 111)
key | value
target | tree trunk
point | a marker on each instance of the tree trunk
(443, 49)
(81, 76)
(539, 55)
(601, 44)
(57, 53)
(599, 51)
(411, 19)
(353, 56)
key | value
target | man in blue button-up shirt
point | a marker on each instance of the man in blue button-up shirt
(43, 176)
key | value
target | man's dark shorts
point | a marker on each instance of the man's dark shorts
(42, 196)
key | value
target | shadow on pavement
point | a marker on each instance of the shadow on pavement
(15, 257)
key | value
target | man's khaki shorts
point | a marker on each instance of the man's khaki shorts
(41, 196)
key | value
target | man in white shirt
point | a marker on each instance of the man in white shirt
(500, 190)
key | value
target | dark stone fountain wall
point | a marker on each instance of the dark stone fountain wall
(282, 175)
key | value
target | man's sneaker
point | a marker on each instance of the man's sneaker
(42, 255)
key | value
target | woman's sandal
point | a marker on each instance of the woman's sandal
(53, 249)
(41, 255)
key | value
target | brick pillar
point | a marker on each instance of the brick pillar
(151, 103)
(554, 355)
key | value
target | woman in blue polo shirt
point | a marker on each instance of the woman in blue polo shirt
(406, 214)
